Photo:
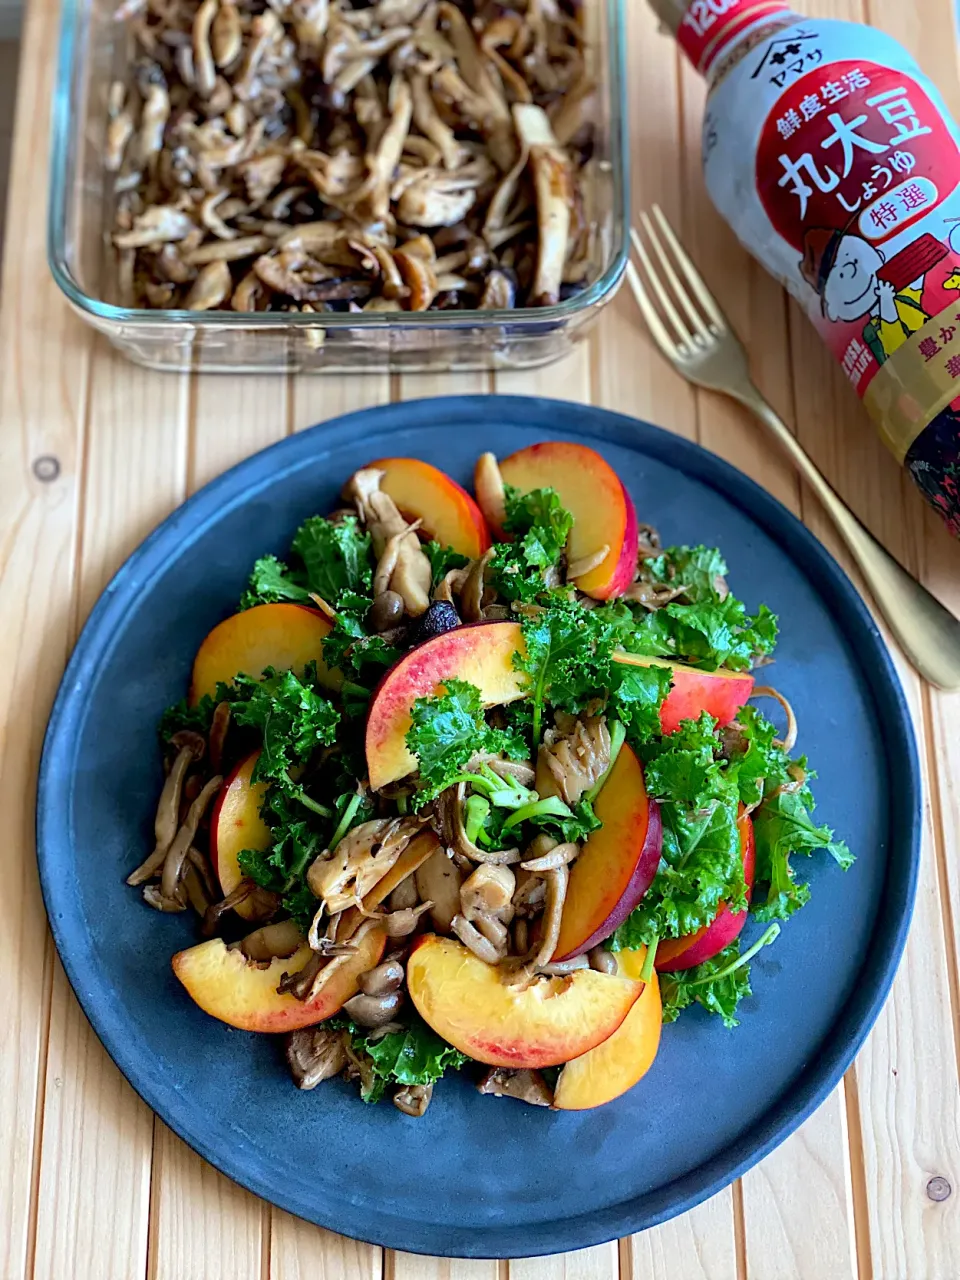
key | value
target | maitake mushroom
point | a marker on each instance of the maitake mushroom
(570, 762)
(341, 878)
(402, 565)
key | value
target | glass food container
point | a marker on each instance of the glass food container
(93, 53)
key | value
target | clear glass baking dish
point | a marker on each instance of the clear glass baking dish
(93, 54)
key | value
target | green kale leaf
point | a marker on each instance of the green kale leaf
(701, 571)
(415, 1055)
(184, 716)
(442, 560)
(762, 766)
(714, 634)
(705, 624)
(326, 558)
(336, 557)
(636, 696)
(539, 525)
(701, 860)
(568, 650)
(358, 652)
(707, 984)
(272, 582)
(446, 731)
(292, 716)
(783, 827)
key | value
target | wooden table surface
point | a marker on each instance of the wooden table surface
(92, 1186)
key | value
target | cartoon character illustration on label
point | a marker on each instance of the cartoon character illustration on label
(844, 270)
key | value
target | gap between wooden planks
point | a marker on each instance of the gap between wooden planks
(106, 1171)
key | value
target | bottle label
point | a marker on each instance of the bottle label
(854, 202)
(709, 26)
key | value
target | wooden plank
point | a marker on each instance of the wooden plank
(317, 399)
(297, 1249)
(630, 376)
(932, 40)
(423, 386)
(301, 1251)
(700, 1245)
(232, 419)
(44, 359)
(599, 1263)
(202, 1222)
(94, 1190)
(909, 1121)
(754, 304)
(569, 379)
(411, 1266)
(809, 1175)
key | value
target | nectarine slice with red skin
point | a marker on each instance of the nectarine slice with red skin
(603, 513)
(721, 693)
(618, 1063)
(283, 636)
(481, 653)
(243, 993)
(675, 954)
(617, 864)
(448, 513)
(472, 1006)
(235, 825)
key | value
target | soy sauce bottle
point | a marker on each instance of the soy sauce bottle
(836, 162)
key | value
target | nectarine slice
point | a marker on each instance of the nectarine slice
(721, 693)
(283, 636)
(603, 512)
(481, 654)
(235, 825)
(243, 993)
(447, 511)
(617, 1064)
(472, 1005)
(617, 864)
(674, 954)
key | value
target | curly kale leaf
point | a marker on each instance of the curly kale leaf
(539, 525)
(446, 731)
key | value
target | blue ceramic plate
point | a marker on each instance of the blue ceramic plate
(478, 1176)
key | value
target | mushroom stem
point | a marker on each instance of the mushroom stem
(177, 853)
(553, 182)
(557, 881)
(166, 821)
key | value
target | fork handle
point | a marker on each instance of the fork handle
(927, 632)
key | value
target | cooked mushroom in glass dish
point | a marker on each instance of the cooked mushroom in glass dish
(341, 155)
(500, 798)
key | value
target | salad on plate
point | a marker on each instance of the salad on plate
(481, 785)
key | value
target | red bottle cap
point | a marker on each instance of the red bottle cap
(705, 28)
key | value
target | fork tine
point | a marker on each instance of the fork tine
(673, 315)
(694, 278)
(680, 293)
(649, 312)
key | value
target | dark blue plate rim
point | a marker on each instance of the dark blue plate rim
(817, 1082)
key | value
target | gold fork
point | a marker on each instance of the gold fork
(692, 332)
